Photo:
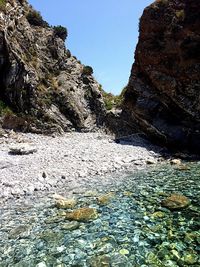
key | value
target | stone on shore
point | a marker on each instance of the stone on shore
(82, 215)
(175, 202)
(22, 149)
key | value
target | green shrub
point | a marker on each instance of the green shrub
(112, 101)
(61, 32)
(2, 5)
(35, 19)
(87, 70)
(4, 109)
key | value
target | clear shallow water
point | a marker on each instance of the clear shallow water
(132, 229)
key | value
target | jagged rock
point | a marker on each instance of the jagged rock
(22, 149)
(163, 93)
(40, 80)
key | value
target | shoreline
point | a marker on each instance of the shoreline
(72, 161)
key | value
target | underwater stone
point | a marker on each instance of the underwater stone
(66, 203)
(158, 214)
(175, 202)
(41, 264)
(190, 258)
(183, 167)
(82, 215)
(19, 231)
(70, 226)
(100, 261)
(124, 252)
(169, 263)
(105, 199)
(55, 219)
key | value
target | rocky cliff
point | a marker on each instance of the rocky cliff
(40, 81)
(163, 95)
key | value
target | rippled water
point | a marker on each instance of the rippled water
(132, 229)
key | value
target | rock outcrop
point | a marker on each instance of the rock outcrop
(44, 85)
(163, 95)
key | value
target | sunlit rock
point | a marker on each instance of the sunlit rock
(175, 201)
(82, 215)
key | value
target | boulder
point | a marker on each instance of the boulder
(175, 202)
(82, 215)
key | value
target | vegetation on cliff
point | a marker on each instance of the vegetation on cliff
(39, 77)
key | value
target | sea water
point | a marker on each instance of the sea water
(132, 229)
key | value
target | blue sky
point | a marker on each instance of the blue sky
(102, 34)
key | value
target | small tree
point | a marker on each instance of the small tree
(35, 19)
(61, 32)
(87, 70)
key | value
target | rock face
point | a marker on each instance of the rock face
(39, 78)
(163, 94)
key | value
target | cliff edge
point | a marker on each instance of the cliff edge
(46, 87)
(163, 93)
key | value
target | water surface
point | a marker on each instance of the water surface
(133, 229)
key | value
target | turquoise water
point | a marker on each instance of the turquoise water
(132, 229)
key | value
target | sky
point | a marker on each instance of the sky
(101, 33)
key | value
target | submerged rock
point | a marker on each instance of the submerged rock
(183, 167)
(105, 199)
(175, 202)
(66, 203)
(158, 214)
(70, 226)
(82, 215)
(190, 258)
(124, 252)
(100, 261)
